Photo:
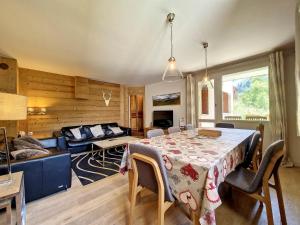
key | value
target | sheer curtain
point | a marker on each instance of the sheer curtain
(190, 100)
(278, 119)
(298, 65)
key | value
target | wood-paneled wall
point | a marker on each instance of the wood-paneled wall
(56, 93)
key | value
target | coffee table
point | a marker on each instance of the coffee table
(111, 143)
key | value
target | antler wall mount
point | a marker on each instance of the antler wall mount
(106, 94)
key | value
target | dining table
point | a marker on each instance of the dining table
(196, 165)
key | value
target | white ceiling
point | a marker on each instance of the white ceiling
(127, 41)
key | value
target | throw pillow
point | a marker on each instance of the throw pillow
(27, 153)
(76, 132)
(31, 140)
(116, 130)
(97, 131)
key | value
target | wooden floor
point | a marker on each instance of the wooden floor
(105, 203)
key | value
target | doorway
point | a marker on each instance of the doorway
(136, 115)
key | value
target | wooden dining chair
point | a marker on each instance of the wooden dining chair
(224, 125)
(155, 133)
(250, 159)
(259, 153)
(172, 130)
(189, 126)
(251, 183)
(149, 172)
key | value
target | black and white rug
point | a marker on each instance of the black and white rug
(90, 169)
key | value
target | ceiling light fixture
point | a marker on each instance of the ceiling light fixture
(171, 73)
(206, 81)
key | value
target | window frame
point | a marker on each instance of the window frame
(217, 75)
(244, 71)
(198, 103)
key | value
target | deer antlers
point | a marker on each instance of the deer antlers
(105, 95)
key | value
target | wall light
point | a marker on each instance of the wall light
(36, 111)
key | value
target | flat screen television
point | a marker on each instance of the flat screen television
(163, 119)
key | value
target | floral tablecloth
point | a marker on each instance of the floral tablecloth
(196, 165)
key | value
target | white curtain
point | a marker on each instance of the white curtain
(298, 65)
(278, 120)
(190, 100)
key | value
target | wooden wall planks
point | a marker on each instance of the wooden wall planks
(57, 93)
(82, 89)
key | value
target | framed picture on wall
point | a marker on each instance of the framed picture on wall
(166, 99)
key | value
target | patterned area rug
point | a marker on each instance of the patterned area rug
(90, 169)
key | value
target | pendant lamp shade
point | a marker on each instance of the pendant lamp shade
(172, 73)
(13, 107)
(206, 82)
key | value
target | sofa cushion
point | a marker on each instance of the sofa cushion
(68, 134)
(87, 131)
(74, 143)
(87, 141)
(108, 132)
(28, 153)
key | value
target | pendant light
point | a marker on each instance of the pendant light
(171, 73)
(206, 81)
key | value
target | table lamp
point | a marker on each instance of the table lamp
(12, 107)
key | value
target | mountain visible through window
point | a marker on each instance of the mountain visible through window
(245, 95)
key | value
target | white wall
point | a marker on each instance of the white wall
(179, 111)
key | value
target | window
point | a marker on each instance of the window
(245, 95)
(206, 104)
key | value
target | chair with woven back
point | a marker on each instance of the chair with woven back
(172, 130)
(149, 172)
(189, 126)
(257, 156)
(251, 183)
(251, 153)
(155, 133)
